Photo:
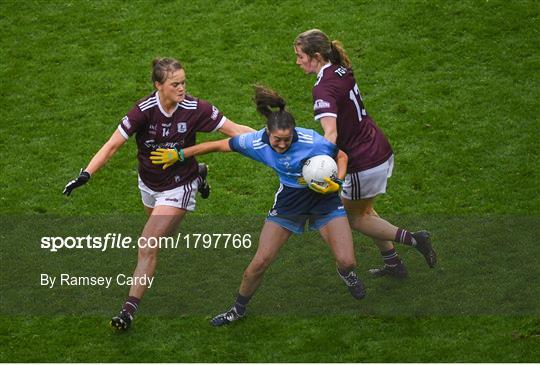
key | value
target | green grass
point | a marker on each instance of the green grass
(454, 86)
(274, 339)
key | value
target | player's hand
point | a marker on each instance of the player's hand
(166, 156)
(79, 181)
(333, 186)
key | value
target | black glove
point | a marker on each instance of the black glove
(79, 181)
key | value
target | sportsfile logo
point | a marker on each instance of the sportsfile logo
(321, 104)
(113, 241)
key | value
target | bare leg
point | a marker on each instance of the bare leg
(272, 238)
(337, 234)
(365, 219)
(162, 221)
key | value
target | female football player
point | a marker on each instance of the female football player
(339, 108)
(167, 118)
(284, 147)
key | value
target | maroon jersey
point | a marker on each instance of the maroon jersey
(336, 94)
(155, 128)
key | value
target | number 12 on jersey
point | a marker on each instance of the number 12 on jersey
(356, 98)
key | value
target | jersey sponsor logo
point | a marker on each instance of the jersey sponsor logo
(215, 112)
(171, 200)
(182, 127)
(126, 123)
(321, 104)
(152, 145)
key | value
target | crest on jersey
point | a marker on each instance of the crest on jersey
(182, 127)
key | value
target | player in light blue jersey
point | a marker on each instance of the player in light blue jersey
(285, 147)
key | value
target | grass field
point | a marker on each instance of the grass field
(454, 86)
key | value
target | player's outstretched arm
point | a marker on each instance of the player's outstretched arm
(207, 147)
(232, 129)
(97, 162)
(169, 156)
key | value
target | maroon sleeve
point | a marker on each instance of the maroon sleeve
(209, 117)
(324, 102)
(134, 121)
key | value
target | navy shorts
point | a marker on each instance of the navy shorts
(294, 207)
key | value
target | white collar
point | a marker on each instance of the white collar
(168, 115)
(319, 75)
(321, 71)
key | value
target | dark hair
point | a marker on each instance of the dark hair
(265, 99)
(315, 41)
(161, 67)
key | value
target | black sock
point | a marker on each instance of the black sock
(241, 303)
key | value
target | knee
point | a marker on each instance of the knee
(147, 253)
(257, 267)
(357, 217)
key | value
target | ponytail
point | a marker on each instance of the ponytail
(265, 99)
(338, 56)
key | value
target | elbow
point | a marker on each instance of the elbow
(343, 157)
(331, 136)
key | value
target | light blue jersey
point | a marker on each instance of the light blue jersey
(306, 143)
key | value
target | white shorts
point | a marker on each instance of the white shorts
(369, 183)
(181, 197)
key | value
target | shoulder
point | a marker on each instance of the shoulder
(249, 141)
(312, 136)
(332, 76)
(200, 105)
(192, 103)
(305, 135)
(148, 102)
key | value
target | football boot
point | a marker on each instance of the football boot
(204, 187)
(226, 318)
(397, 271)
(423, 244)
(122, 321)
(355, 286)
